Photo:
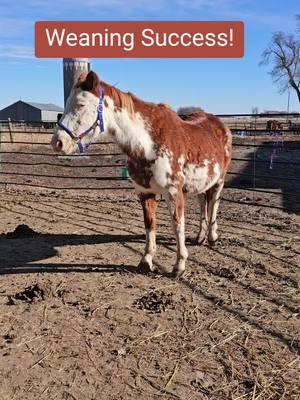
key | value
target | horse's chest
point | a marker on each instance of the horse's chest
(140, 172)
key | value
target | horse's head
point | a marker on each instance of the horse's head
(79, 125)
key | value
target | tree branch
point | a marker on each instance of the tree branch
(283, 53)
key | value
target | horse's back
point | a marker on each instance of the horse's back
(206, 133)
(205, 123)
(208, 151)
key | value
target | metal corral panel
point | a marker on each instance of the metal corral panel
(21, 111)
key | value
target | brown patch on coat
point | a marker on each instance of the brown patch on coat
(112, 131)
(149, 205)
(139, 169)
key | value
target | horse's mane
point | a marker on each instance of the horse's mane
(120, 99)
(128, 100)
(123, 100)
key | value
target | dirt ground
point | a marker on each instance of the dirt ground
(78, 322)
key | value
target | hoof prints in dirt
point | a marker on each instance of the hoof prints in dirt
(154, 302)
(22, 231)
(30, 294)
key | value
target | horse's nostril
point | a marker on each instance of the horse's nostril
(59, 145)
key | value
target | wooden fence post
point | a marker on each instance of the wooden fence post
(10, 130)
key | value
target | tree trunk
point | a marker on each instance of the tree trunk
(293, 83)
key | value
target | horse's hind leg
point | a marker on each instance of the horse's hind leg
(203, 219)
(213, 198)
(149, 205)
(175, 202)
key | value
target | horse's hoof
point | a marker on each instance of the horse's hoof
(145, 267)
(199, 240)
(177, 273)
(212, 243)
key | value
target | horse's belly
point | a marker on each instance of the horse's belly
(158, 177)
(154, 189)
(198, 179)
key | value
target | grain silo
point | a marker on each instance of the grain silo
(73, 67)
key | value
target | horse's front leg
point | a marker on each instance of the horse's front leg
(149, 205)
(175, 202)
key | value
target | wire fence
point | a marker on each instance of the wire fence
(265, 168)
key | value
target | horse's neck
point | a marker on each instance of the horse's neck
(130, 132)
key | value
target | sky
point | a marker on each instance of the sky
(219, 86)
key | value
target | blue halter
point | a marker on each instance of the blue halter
(99, 122)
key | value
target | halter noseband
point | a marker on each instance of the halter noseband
(99, 122)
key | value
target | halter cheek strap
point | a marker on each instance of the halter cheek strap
(99, 122)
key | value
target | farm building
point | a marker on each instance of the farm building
(29, 111)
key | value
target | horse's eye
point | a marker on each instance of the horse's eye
(80, 105)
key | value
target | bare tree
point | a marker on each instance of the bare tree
(283, 53)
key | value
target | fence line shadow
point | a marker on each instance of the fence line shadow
(262, 171)
(292, 342)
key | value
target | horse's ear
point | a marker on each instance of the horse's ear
(90, 83)
(81, 78)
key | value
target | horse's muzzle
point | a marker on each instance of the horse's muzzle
(61, 145)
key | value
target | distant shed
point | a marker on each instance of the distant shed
(29, 111)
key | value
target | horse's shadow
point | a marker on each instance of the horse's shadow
(30, 254)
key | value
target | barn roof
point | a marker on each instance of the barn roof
(39, 106)
(45, 106)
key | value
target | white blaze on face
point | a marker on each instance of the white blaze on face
(80, 114)
(129, 131)
(81, 111)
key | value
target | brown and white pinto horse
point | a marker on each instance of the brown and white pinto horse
(166, 155)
